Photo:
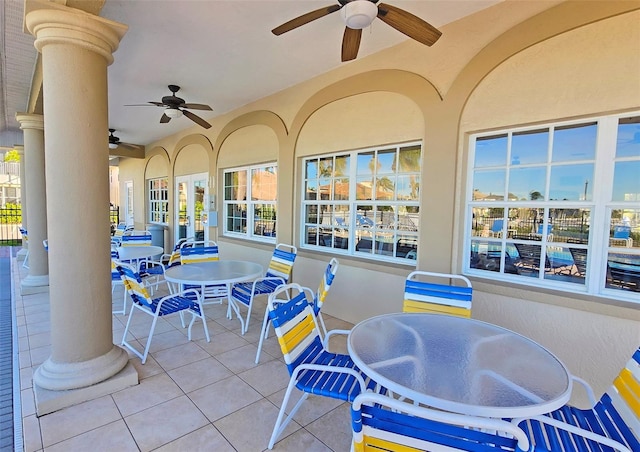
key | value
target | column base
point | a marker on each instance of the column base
(34, 284)
(48, 401)
(20, 255)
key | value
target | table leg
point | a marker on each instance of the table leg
(232, 305)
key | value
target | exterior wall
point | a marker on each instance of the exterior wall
(536, 61)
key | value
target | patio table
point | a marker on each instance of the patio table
(460, 365)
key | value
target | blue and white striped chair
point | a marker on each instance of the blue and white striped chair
(380, 423)
(204, 251)
(185, 301)
(613, 423)
(318, 300)
(312, 368)
(25, 239)
(278, 273)
(116, 281)
(136, 238)
(438, 298)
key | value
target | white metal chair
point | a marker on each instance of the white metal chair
(184, 301)
(426, 296)
(204, 251)
(318, 297)
(278, 273)
(613, 423)
(380, 423)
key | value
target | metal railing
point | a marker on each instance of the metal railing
(10, 224)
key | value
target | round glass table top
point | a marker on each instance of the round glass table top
(460, 365)
(216, 272)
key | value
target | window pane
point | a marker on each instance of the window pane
(311, 214)
(341, 189)
(407, 188)
(410, 159)
(237, 217)
(311, 192)
(342, 165)
(628, 137)
(574, 143)
(491, 151)
(489, 185)
(264, 184)
(311, 169)
(626, 181)
(326, 167)
(560, 264)
(624, 230)
(485, 255)
(385, 188)
(529, 147)
(364, 188)
(527, 183)
(570, 225)
(623, 272)
(366, 164)
(386, 161)
(571, 182)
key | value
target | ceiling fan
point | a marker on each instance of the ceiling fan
(359, 14)
(114, 142)
(174, 107)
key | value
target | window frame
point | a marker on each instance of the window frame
(251, 223)
(348, 220)
(158, 208)
(600, 205)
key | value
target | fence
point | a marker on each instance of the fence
(10, 223)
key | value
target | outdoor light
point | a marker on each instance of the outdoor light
(113, 145)
(173, 112)
(359, 14)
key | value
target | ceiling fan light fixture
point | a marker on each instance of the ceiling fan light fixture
(113, 145)
(359, 14)
(173, 113)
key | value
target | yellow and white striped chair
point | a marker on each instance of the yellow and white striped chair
(613, 423)
(421, 295)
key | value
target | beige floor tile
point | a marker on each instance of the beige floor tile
(239, 359)
(31, 433)
(165, 423)
(72, 421)
(250, 433)
(199, 374)
(224, 397)
(26, 378)
(168, 339)
(180, 355)
(39, 340)
(148, 369)
(27, 402)
(334, 428)
(223, 342)
(267, 378)
(40, 327)
(302, 440)
(312, 409)
(207, 438)
(39, 355)
(110, 437)
(150, 392)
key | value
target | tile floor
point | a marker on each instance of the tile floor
(193, 395)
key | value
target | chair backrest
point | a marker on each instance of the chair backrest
(206, 251)
(622, 401)
(282, 260)
(621, 232)
(295, 325)
(579, 256)
(380, 423)
(136, 240)
(423, 296)
(119, 232)
(134, 285)
(174, 258)
(114, 264)
(497, 225)
(325, 284)
(24, 234)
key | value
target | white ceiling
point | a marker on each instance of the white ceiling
(221, 53)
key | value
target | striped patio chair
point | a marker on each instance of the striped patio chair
(204, 251)
(423, 296)
(25, 239)
(380, 423)
(613, 423)
(136, 238)
(116, 281)
(279, 272)
(312, 368)
(318, 300)
(184, 301)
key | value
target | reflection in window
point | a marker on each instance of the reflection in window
(544, 216)
(371, 208)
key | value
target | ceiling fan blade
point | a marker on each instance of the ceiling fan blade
(164, 119)
(350, 43)
(130, 146)
(197, 119)
(145, 105)
(407, 23)
(305, 19)
(197, 107)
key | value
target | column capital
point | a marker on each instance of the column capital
(30, 121)
(52, 23)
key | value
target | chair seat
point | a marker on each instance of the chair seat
(173, 305)
(603, 419)
(242, 291)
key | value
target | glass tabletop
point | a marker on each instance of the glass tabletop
(460, 365)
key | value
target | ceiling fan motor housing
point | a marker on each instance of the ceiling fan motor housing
(359, 14)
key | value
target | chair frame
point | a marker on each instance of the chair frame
(313, 369)
(186, 300)
(382, 423)
(244, 294)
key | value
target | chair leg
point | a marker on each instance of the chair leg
(280, 423)
(263, 333)
(126, 331)
(204, 322)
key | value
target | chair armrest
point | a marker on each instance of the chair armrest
(330, 333)
(575, 430)
(265, 278)
(323, 368)
(590, 394)
(181, 294)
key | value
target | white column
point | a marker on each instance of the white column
(23, 202)
(76, 49)
(38, 278)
